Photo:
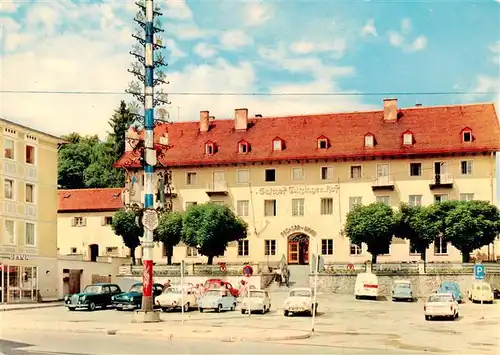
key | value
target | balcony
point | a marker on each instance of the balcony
(441, 181)
(218, 188)
(383, 183)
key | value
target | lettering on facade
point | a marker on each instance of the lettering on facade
(297, 190)
(298, 228)
(18, 257)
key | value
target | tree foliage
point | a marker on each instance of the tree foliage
(125, 225)
(210, 228)
(169, 232)
(73, 160)
(121, 120)
(374, 225)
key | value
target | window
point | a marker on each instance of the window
(30, 234)
(355, 249)
(355, 201)
(8, 189)
(191, 178)
(209, 148)
(413, 250)
(356, 172)
(297, 207)
(269, 247)
(270, 208)
(108, 221)
(322, 143)
(112, 251)
(243, 176)
(408, 139)
(467, 197)
(242, 208)
(8, 149)
(415, 169)
(30, 193)
(189, 204)
(73, 250)
(440, 198)
(298, 174)
(243, 147)
(10, 233)
(415, 200)
(270, 175)
(326, 173)
(327, 205)
(191, 252)
(369, 140)
(243, 247)
(30, 154)
(467, 136)
(466, 167)
(440, 246)
(327, 246)
(383, 199)
(78, 222)
(277, 144)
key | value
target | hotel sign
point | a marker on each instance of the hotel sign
(298, 228)
(297, 190)
(18, 257)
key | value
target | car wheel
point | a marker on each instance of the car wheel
(264, 310)
(233, 307)
(186, 307)
(71, 309)
(457, 315)
(91, 306)
(119, 308)
(243, 311)
(428, 318)
(201, 310)
(286, 313)
(357, 297)
(393, 299)
(219, 308)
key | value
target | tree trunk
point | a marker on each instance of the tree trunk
(423, 255)
(374, 259)
(170, 252)
(132, 255)
(466, 256)
(210, 260)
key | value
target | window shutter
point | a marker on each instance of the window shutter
(73, 221)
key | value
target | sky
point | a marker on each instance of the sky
(218, 46)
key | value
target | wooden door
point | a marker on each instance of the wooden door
(293, 252)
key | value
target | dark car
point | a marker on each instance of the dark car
(133, 298)
(496, 291)
(92, 296)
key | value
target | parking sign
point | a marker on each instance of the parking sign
(479, 272)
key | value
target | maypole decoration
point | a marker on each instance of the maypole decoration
(147, 68)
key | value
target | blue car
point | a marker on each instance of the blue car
(453, 288)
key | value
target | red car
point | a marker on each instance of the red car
(217, 283)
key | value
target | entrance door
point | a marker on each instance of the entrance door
(383, 174)
(219, 181)
(440, 168)
(298, 249)
(94, 252)
(293, 252)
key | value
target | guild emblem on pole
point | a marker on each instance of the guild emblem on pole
(150, 219)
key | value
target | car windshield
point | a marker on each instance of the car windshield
(440, 298)
(213, 293)
(136, 288)
(92, 289)
(401, 285)
(257, 294)
(300, 293)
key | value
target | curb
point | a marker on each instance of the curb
(29, 308)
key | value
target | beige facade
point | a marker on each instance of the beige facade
(281, 201)
(28, 213)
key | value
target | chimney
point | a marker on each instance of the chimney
(418, 105)
(204, 118)
(241, 119)
(390, 110)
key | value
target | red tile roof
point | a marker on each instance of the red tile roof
(90, 200)
(435, 130)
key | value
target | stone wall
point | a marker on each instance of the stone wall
(423, 284)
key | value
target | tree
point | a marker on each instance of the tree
(210, 227)
(416, 224)
(471, 225)
(73, 159)
(101, 173)
(125, 225)
(120, 123)
(374, 225)
(169, 232)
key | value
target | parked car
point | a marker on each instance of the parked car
(496, 291)
(259, 300)
(176, 297)
(218, 283)
(217, 300)
(299, 300)
(92, 296)
(402, 290)
(441, 305)
(481, 292)
(366, 285)
(133, 298)
(453, 288)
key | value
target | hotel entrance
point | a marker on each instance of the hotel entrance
(298, 249)
(18, 283)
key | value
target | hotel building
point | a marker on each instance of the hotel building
(294, 179)
(28, 214)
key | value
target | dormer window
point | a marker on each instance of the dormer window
(466, 135)
(369, 140)
(209, 148)
(407, 138)
(322, 142)
(277, 144)
(243, 147)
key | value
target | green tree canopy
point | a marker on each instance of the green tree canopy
(374, 225)
(125, 225)
(120, 122)
(210, 227)
(169, 232)
(73, 160)
(100, 173)
(471, 225)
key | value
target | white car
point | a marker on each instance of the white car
(441, 305)
(259, 300)
(173, 297)
(481, 292)
(299, 300)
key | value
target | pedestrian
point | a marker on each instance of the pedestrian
(243, 288)
(167, 284)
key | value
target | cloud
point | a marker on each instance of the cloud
(204, 50)
(235, 39)
(177, 9)
(7, 6)
(256, 13)
(495, 49)
(406, 25)
(417, 45)
(399, 38)
(189, 32)
(395, 39)
(337, 47)
(489, 87)
(369, 29)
